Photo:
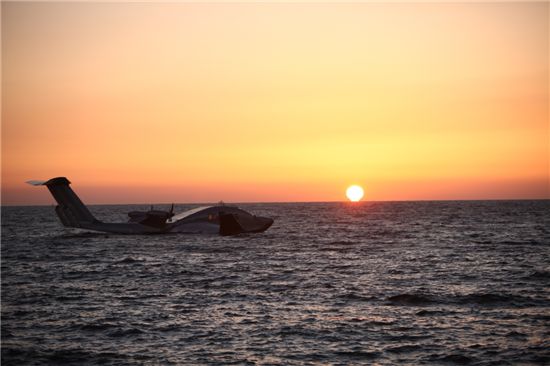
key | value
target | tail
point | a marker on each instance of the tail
(71, 211)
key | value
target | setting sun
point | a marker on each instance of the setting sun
(354, 193)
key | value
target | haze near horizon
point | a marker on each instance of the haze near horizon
(196, 102)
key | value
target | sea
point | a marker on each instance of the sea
(371, 283)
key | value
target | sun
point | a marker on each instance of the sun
(354, 193)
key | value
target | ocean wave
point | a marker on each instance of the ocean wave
(538, 275)
(343, 242)
(129, 260)
(357, 355)
(411, 299)
(484, 299)
(521, 242)
(338, 249)
(70, 356)
(453, 358)
(406, 348)
(355, 297)
(124, 332)
(425, 312)
(479, 299)
(95, 327)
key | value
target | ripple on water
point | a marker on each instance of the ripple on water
(442, 283)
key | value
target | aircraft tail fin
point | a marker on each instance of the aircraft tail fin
(71, 211)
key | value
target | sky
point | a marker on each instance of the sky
(140, 102)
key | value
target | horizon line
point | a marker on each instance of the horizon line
(286, 202)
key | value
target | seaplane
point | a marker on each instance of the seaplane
(219, 219)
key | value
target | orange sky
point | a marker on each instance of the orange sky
(195, 102)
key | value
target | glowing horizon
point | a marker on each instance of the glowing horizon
(197, 102)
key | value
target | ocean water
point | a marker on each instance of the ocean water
(381, 283)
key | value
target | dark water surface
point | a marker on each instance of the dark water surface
(330, 283)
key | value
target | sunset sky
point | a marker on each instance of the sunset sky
(197, 102)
